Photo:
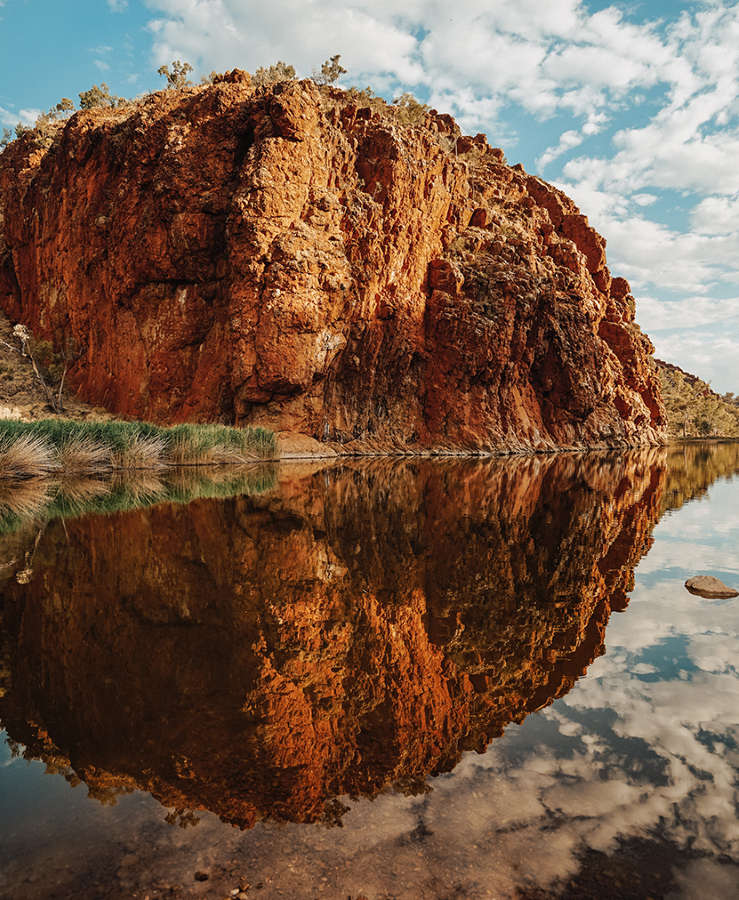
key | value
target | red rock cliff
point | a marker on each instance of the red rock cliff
(283, 257)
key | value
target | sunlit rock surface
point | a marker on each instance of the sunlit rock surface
(286, 258)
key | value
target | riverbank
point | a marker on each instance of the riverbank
(49, 447)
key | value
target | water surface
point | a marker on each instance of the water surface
(389, 679)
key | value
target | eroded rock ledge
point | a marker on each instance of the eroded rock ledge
(282, 257)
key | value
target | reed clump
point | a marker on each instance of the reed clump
(53, 446)
(25, 455)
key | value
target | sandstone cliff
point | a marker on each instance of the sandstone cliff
(284, 257)
(359, 626)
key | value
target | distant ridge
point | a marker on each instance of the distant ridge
(694, 409)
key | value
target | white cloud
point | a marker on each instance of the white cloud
(691, 312)
(713, 356)
(644, 199)
(595, 123)
(567, 141)
(102, 65)
(10, 118)
(118, 6)
(7, 117)
(717, 215)
(544, 57)
(222, 33)
(28, 116)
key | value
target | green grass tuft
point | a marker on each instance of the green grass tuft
(90, 447)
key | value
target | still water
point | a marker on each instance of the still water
(380, 680)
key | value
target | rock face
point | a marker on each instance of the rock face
(358, 626)
(286, 257)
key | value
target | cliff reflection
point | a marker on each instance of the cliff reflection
(356, 627)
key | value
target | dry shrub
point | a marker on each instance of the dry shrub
(221, 455)
(141, 453)
(196, 450)
(83, 456)
(274, 74)
(26, 456)
(181, 451)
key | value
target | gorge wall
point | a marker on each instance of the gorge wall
(290, 258)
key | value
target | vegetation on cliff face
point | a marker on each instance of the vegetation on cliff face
(309, 259)
(693, 408)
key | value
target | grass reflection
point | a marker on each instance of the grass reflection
(41, 500)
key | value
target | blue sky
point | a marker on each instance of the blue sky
(631, 107)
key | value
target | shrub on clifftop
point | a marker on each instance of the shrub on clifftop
(177, 75)
(409, 110)
(331, 71)
(280, 71)
(99, 96)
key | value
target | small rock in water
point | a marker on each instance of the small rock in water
(201, 876)
(709, 587)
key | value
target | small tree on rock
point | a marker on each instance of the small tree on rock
(177, 75)
(330, 72)
(98, 96)
(65, 105)
(409, 110)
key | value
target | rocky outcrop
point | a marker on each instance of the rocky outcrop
(285, 257)
(359, 626)
(710, 587)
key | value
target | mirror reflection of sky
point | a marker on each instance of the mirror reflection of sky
(645, 746)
